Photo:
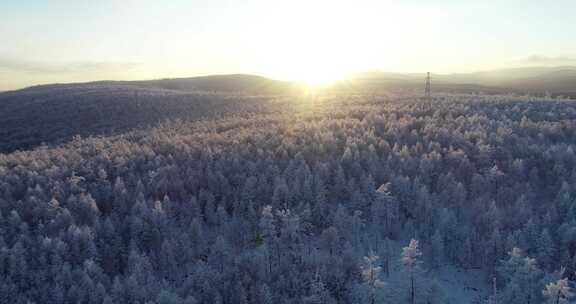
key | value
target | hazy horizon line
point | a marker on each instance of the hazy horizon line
(263, 75)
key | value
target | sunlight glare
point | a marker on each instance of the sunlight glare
(322, 48)
(320, 76)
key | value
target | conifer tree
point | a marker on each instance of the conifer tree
(371, 276)
(411, 259)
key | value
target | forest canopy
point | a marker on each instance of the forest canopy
(335, 199)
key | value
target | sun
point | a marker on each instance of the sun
(320, 77)
(318, 73)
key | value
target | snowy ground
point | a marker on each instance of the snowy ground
(459, 286)
(462, 286)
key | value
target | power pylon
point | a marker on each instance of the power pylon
(427, 89)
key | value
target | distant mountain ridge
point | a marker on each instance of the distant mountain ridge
(556, 80)
(237, 83)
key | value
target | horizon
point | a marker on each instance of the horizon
(344, 78)
(319, 42)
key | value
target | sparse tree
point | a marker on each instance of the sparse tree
(558, 292)
(411, 259)
(371, 276)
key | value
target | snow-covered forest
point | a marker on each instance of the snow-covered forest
(55, 113)
(334, 199)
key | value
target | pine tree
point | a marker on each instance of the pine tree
(411, 256)
(267, 227)
(521, 275)
(389, 208)
(268, 232)
(558, 292)
(196, 237)
(319, 294)
(219, 253)
(371, 276)
(437, 249)
(265, 295)
(546, 249)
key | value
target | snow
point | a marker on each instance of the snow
(460, 286)
(463, 286)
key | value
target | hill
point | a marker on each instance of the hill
(55, 113)
(236, 83)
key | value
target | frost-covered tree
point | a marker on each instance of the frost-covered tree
(411, 259)
(268, 232)
(437, 250)
(371, 276)
(546, 249)
(521, 275)
(319, 294)
(558, 292)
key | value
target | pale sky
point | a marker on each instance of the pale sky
(47, 41)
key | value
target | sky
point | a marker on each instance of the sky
(49, 41)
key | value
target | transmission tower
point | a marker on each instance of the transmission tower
(427, 89)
